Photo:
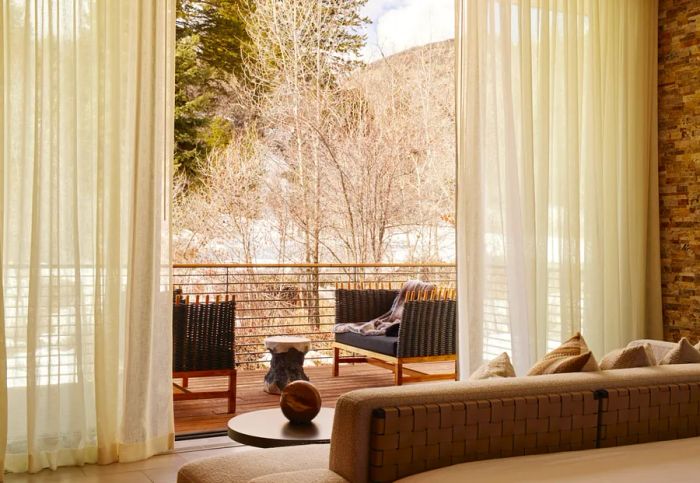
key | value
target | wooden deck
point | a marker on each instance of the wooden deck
(210, 414)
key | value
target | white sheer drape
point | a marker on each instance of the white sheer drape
(557, 175)
(3, 358)
(86, 159)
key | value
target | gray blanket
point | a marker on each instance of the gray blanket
(388, 322)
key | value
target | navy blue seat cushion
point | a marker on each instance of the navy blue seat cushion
(375, 343)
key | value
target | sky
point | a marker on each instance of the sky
(401, 24)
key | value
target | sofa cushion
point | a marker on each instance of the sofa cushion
(303, 476)
(674, 460)
(244, 466)
(572, 356)
(376, 343)
(628, 357)
(497, 367)
(683, 353)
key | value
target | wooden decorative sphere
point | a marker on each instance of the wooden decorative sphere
(300, 402)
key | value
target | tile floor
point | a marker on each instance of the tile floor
(159, 469)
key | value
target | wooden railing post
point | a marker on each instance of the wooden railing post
(228, 288)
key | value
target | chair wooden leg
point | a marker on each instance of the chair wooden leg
(336, 362)
(232, 391)
(185, 381)
(398, 374)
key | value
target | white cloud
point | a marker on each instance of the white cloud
(401, 24)
(374, 8)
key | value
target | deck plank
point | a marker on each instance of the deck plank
(210, 414)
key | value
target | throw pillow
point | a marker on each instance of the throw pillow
(658, 347)
(683, 353)
(572, 356)
(498, 367)
(637, 356)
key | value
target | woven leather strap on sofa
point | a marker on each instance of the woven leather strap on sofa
(354, 425)
(652, 413)
(411, 439)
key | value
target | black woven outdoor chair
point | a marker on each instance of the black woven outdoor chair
(427, 332)
(204, 346)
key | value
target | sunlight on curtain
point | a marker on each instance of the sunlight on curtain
(3, 359)
(88, 93)
(557, 182)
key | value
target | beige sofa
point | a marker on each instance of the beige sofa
(392, 433)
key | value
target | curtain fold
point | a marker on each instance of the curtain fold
(557, 197)
(88, 92)
(3, 358)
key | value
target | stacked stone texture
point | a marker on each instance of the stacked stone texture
(679, 165)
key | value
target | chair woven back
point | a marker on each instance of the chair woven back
(428, 328)
(360, 305)
(203, 336)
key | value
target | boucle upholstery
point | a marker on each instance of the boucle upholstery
(303, 476)
(248, 465)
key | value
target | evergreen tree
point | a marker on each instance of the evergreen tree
(322, 40)
(221, 28)
(346, 46)
(193, 104)
(214, 44)
(210, 41)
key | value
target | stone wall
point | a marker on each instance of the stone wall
(679, 165)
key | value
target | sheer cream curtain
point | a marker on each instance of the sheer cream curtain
(86, 158)
(557, 176)
(3, 359)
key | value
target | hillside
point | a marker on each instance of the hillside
(429, 67)
(380, 161)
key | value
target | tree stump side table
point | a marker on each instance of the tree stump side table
(287, 362)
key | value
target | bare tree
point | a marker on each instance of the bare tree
(300, 49)
(351, 163)
(222, 216)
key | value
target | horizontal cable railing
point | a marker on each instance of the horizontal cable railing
(293, 299)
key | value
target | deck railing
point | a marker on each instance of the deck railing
(293, 299)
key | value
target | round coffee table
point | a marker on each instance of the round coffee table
(268, 428)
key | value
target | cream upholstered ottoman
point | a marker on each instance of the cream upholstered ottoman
(307, 463)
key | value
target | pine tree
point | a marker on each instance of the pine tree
(193, 103)
(221, 28)
(210, 40)
(321, 38)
